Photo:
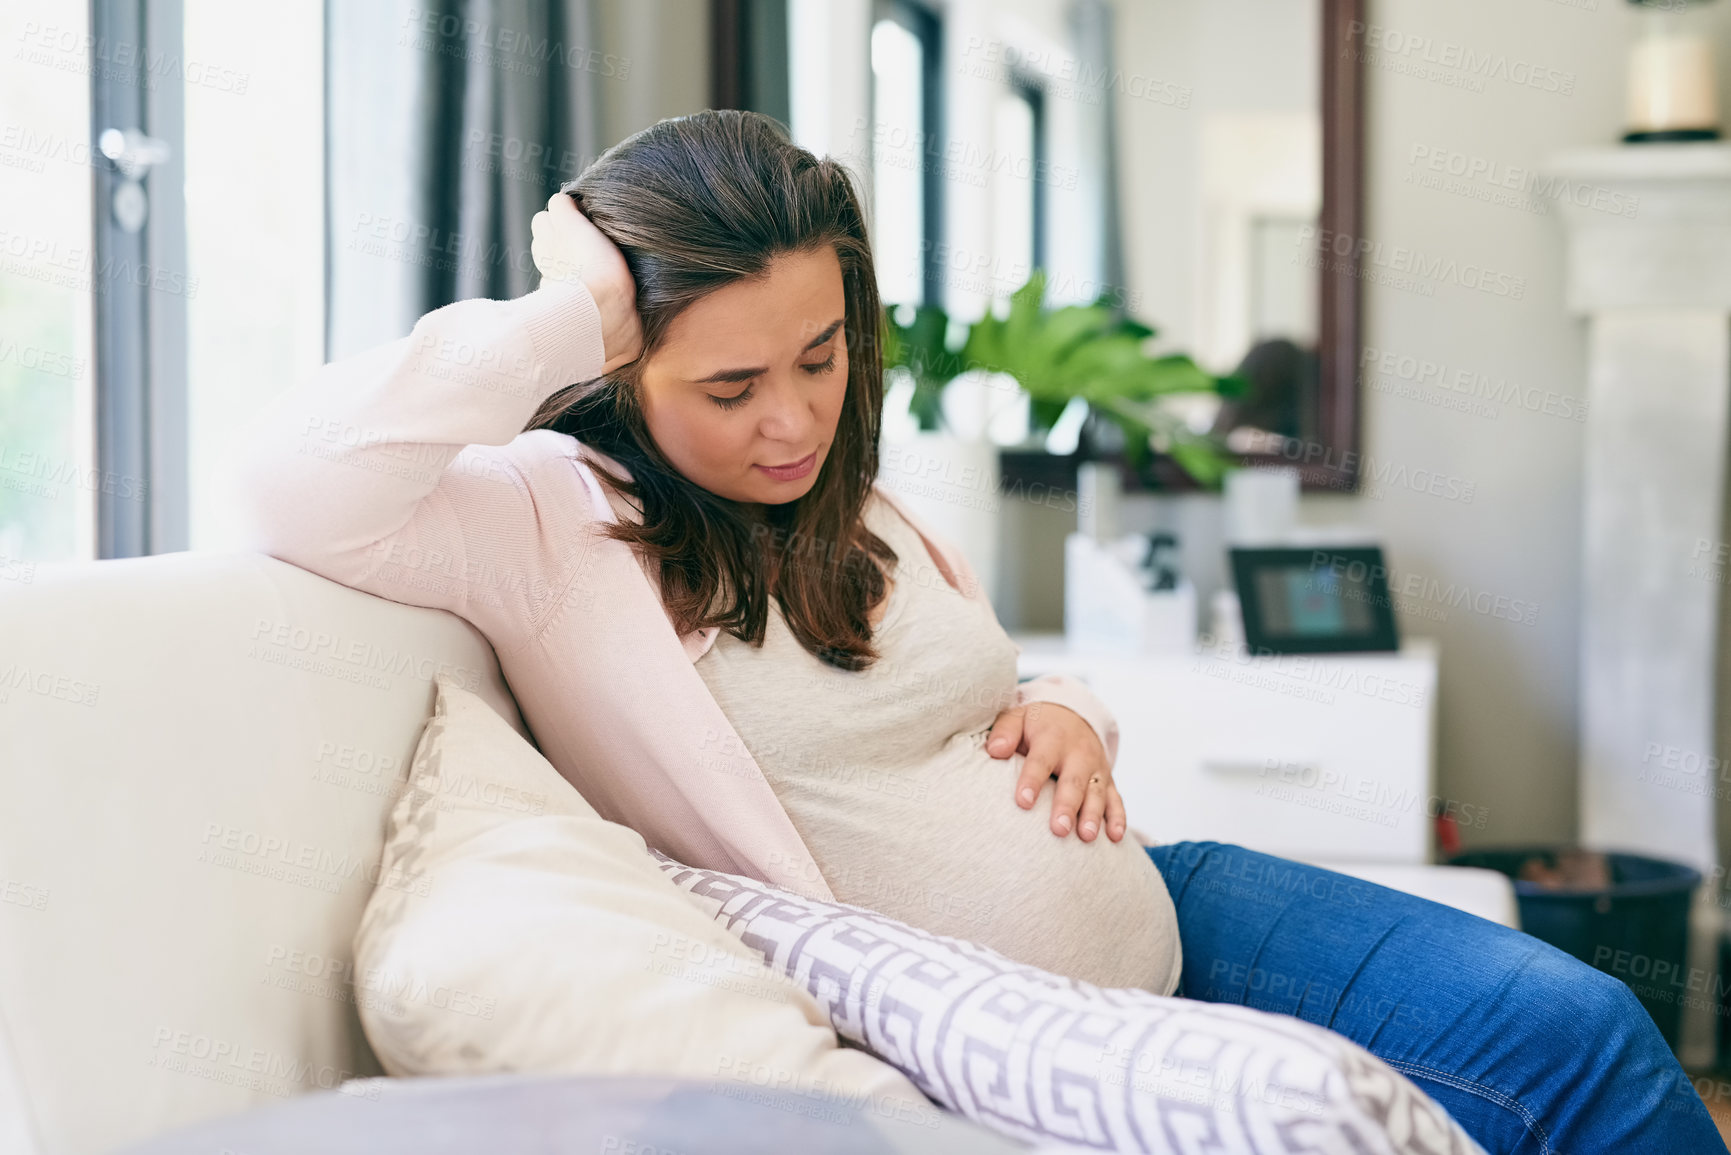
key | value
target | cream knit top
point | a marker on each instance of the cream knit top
(885, 774)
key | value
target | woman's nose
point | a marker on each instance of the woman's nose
(787, 416)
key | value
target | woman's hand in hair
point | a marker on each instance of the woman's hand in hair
(568, 247)
(1055, 740)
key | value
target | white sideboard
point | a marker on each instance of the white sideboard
(1322, 758)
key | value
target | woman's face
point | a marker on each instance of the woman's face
(750, 376)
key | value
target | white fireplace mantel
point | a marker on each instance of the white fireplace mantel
(1649, 225)
(1649, 264)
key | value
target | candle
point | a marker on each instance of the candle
(1673, 94)
(1671, 84)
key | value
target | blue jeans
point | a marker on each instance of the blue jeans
(1533, 1051)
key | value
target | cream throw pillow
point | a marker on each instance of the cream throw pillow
(514, 929)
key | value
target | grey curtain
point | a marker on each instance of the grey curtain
(748, 56)
(448, 124)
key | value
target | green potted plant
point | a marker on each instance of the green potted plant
(1057, 355)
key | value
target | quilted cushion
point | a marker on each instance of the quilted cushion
(1043, 1057)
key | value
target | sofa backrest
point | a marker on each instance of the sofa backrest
(197, 755)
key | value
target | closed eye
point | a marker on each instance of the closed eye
(817, 369)
(733, 402)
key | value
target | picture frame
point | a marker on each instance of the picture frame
(1315, 600)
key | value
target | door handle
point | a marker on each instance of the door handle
(134, 154)
(133, 151)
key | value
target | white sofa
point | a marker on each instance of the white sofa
(197, 755)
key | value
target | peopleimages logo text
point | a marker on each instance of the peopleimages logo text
(1390, 42)
(1412, 262)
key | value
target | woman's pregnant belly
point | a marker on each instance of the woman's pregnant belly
(944, 847)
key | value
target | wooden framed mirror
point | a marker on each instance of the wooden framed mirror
(1324, 446)
(1263, 248)
(1240, 217)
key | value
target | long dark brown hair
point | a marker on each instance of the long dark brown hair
(696, 203)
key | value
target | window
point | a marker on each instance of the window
(1018, 200)
(137, 335)
(907, 179)
(47, 475)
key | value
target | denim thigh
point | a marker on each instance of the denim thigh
(1532, 1050)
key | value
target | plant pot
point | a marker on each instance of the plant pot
(1634, 927)
(953, 483)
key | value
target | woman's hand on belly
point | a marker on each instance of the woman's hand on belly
(1058, 741)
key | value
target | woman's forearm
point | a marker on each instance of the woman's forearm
(397, 460)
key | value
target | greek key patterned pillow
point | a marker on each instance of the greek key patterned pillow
(1042, 1057)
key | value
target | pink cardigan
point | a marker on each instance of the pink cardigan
(403, 471)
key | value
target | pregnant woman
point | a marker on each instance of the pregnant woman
(651, 484)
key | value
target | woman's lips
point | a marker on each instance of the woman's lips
(791, 472)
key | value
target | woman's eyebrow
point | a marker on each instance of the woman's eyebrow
(736, 375)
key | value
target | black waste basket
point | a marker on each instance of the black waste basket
(1636, 928)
